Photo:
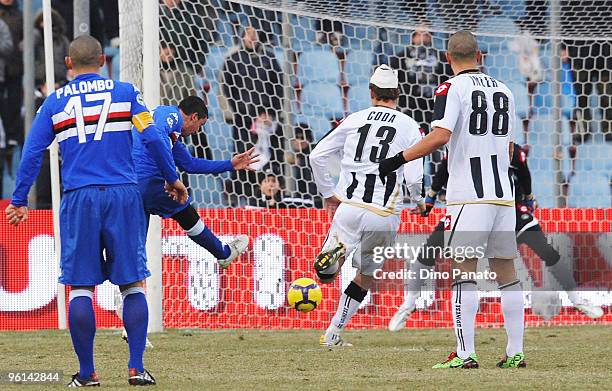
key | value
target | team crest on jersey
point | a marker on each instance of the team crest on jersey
(447, 223)
(443, 89)
(139, 99)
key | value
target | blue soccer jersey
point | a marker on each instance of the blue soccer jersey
(169, 122)
(91, 118)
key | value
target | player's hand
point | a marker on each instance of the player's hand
(242, 161)
(16, 214)
(331, 204)
(391, 164)
(420, 209)
(530, 202)
(177, 191)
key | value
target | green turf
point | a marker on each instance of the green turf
(569, 358)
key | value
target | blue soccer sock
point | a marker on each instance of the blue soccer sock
(82, 329)
(136, 320)
(203, 236)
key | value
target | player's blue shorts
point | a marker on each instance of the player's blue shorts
(97, 218)
(156, 201)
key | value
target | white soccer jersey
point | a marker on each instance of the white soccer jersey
(364, 139)
(479, 111)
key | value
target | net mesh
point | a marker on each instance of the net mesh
(278, 74)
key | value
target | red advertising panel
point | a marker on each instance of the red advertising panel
(251, 292)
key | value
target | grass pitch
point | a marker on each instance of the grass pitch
(568, 358)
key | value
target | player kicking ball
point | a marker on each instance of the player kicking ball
(175, 123)
(528, 231)
(475, 112)
(365, 205)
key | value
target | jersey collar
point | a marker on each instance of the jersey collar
(474, 70)
(86, 75)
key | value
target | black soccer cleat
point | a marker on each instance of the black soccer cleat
(76, 381)
(328, 258)
(143, 378)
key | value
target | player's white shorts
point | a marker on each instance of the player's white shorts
(484, 230)
(361, 230)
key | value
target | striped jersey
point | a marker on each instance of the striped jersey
(91, 118)
(363, 139)
(479, 111)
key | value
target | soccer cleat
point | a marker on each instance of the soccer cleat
(143, 378)
(592, 311)
(398, 321)
(454, 361)
(516, 361)
(237, 247)
(327, 258)
(76, 381)
(333, 340)
(124, 336)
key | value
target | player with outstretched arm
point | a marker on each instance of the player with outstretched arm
(365, 204)
(474, 113)
(91, 118)
(175, 123)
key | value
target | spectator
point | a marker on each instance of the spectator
(188, 28)
(176, 80)
(527, 51)
(110, 10)
(270, 194)
(43, 181)
(251, 80)
(268, 23)
(568, 105)
(6, 50)
(96, 24)
(11, 89)
(298, 158)
(591, 62)
(420, 71)
(265, 132)
(60, 48)
(266, 138)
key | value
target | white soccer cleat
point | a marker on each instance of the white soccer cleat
(592, 311)
(584, 306)
(237, 246)
(124, 336)
(398, 321)
(331, 340)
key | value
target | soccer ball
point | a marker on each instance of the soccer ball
(304, 294)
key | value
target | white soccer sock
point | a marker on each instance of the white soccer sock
(513, 307)
(465, 303)
(414, 285)
(349, 303)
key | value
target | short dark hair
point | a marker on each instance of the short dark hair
(85, 51)
(463, 46)
(194, 104)
(384, 94)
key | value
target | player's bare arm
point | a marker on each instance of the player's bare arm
(243, 161)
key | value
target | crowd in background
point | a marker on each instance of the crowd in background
(249, 89)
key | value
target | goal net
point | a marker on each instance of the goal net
(278, 74)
